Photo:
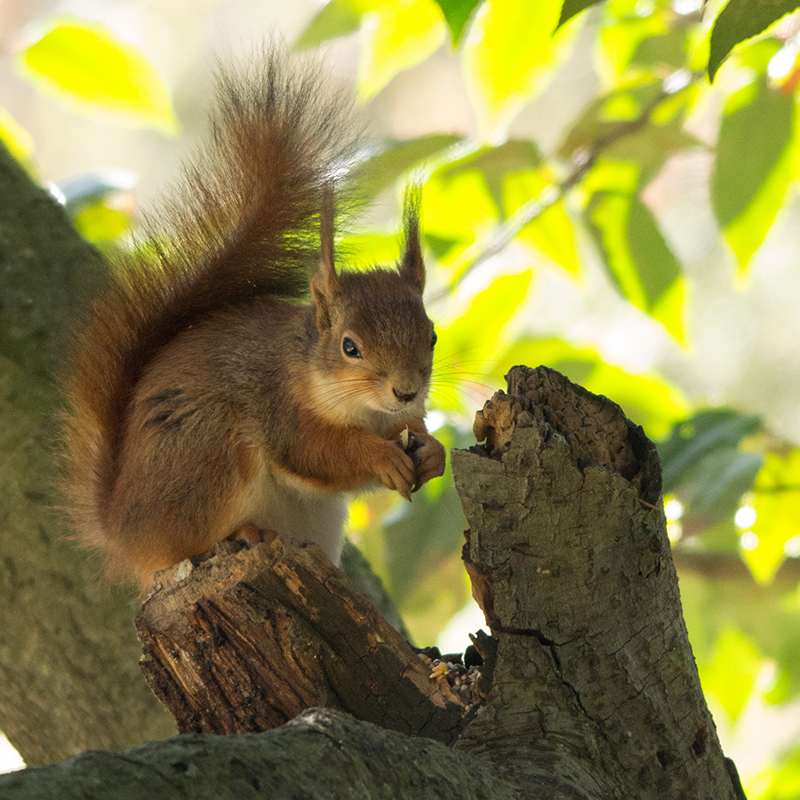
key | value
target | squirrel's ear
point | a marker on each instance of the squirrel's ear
(412, 267)
(325, 283)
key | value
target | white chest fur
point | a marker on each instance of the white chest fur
(290, 507)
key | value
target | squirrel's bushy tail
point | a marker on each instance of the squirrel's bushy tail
(244, 221)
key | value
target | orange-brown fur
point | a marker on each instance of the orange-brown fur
(203, 397)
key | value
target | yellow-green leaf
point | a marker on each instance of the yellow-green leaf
(552, 233)
(777, 506)
(469, 347)
(731, 675)
(511, 54)
(754, 165)
(15, 138)
(395, 36)
(87, 65)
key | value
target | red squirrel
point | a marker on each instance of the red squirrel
(207, 397)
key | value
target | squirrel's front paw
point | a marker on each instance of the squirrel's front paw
(429, 459)
(396, 469)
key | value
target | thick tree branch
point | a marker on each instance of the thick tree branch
(321, 755)
(68, 677)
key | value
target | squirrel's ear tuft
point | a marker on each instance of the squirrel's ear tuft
(412, 267)
(325, 283)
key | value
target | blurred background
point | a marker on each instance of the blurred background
(591, 202)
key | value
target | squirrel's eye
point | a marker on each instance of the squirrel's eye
(350, 348)
(434, 339)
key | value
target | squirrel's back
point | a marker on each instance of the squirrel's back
(244, 222)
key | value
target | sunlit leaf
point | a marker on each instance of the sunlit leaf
(395, 159)
(777, 505)
(396, 36)
(494, 162)
(458, 207)
(88, 65)
(620, 38)
(780, 781)
(636, 255)
(739, 20)
(552, 233)
(474, 342)
(16, 139)
(670, 310)
(457, 14)
(664, 50)
(614, 120)
(100, 223)
(731, 676)
(511, 55)
(656, 266)
(750, 177)
(368, 250)
(335, 18)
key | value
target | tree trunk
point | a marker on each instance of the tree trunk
(68, 676)
(590, 690)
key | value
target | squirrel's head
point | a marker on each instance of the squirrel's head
(375, 339)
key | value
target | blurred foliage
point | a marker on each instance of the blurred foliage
(732, 486)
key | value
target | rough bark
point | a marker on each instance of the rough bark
(595, 689)
(321, 755)
(245, 639)
(68, 675)
(590, 685)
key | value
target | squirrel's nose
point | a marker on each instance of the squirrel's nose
(404, 398)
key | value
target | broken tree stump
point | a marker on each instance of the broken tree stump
(589, 688)
(594, 685)
(243, 639)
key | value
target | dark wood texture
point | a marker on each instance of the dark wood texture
(244, 639)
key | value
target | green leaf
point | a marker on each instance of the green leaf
(573, 7)
(427, 530)
(777, 505)
(458, 208)
(552, 233)
(730, 677)
(712, 490)
(89, 66)
(457, 14)
(751, 175)
(739, 20)
(699, 436)
(657, 267)
(637, 257)
(620, 38)
(335, 18)
(494, 162)
(512, 56)
(395, 159)
(396, 36)
(470, 346)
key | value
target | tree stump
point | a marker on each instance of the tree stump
(243, 639)
(589, 688)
